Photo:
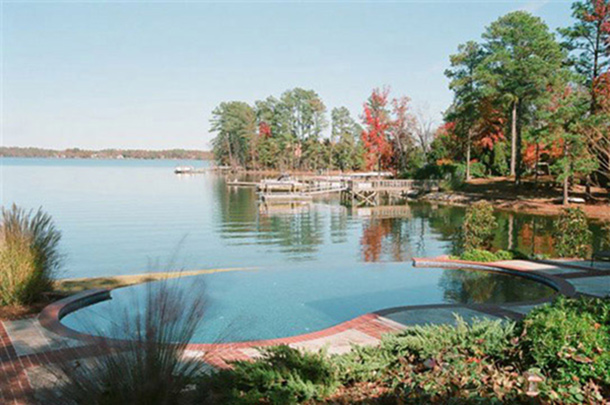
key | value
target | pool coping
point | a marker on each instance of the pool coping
(50, 317)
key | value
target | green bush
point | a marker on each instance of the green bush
(572, 235)
(29, 255)
(281, 376)
(478, 170)
(570, 340)
(499, 165)
(485, 256)
(478, 227)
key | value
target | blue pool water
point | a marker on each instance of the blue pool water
(279, 302)
(316, 266)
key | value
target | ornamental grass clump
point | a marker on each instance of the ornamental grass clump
(144, 357)
(572, 234)
(478, 227)
(29, 255)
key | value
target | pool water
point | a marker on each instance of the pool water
(273, 302)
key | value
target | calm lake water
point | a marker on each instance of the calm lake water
(315, 265)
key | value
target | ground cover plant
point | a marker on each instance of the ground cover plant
(29, 255)
(281, 376)
(558, 354)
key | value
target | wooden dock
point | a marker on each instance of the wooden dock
(283, 198)
(371, 192)
(236, 183)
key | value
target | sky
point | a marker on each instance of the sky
(147, 74)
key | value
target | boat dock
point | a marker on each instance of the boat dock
(352, 192)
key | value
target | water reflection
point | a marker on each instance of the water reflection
(469, 286)
(387, 233)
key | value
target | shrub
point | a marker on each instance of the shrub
(429, 343)
(437, 362)
(29, 255)
(570, 340)
(478, 170)
(149, 365)
(572, 235)
(282, 375)
(485, 256)
(478, 227)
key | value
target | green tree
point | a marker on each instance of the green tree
(345, 133)
(467, 94)
(304, 113)
(565, 112)
(235, 126)
(273, 117)
(522, 57)
(588, 41)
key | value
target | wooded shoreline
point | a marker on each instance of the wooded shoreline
(76, 153)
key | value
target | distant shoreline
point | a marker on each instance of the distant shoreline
(116, 154)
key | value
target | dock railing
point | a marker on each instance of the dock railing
(402, 185)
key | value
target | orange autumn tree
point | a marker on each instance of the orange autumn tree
(375, 136)
(489, 128)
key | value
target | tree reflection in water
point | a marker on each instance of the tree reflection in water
(470, 286)
(388, 233)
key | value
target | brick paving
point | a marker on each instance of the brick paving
(31, 343)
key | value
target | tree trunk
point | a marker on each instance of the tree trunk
(566, 180)
(518, 165)
(513, 140)
(230, 154)
(566, 198)
(537, 161)
(468, 157)
(511, 227)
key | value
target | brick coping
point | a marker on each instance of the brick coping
(50, 317)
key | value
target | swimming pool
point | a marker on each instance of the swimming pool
(274, 302)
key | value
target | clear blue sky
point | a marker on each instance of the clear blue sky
(147, 75)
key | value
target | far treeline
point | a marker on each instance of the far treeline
(76, 153)
(527, 101)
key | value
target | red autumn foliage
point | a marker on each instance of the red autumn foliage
(264, 129)
(378, 148)
(546, 152)
(490, 128)
(601, 13)
(601, 87)
(447, 140)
